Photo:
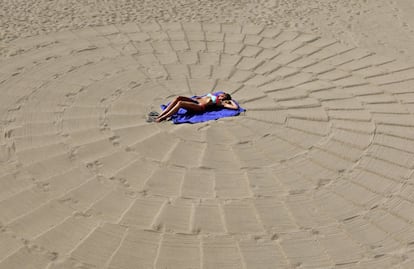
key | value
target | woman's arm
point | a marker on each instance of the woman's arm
(230, 104)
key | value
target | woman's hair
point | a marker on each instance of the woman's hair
(227, 97)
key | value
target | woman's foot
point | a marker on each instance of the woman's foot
(159, 119)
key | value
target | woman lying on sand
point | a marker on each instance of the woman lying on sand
(197, 104)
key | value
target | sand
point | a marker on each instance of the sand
(318, 173)
(382, 26)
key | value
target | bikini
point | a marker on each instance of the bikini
(213, 98)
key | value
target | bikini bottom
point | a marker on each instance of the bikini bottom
(203, 106)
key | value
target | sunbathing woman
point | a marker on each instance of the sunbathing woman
(197, 104)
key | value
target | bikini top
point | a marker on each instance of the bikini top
(213, 98)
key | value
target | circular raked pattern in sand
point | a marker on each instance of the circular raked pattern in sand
(316, 174)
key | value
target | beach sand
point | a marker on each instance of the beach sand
(317, 173)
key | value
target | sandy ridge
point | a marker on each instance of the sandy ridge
(224, 193)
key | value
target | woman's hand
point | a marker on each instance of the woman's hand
(229, 104)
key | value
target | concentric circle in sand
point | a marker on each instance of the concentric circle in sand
(316, 174)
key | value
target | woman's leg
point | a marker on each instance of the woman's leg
(173, 103)
(181, 104)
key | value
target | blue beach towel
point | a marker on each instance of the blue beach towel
(211, 113)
